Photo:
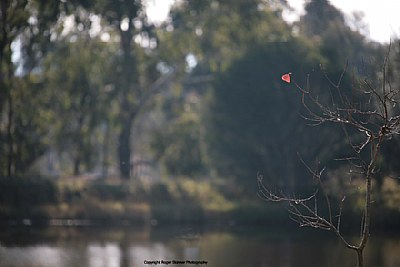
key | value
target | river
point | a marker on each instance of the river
(186, 246)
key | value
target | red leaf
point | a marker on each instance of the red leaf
(286, 77)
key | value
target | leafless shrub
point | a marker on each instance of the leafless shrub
(376, 119)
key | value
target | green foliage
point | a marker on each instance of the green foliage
(160, 194)
(391, 149)
(19, 135)
(326, 26)
(82, 95)
(76, 75)
(21, 192)
(218, 31)
(30, 124)
(114, 12)
(26, 128)
(178, 146)
(253, 117)
(254, 122)
(108, 191)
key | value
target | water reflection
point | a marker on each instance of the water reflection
(108, 255)
(41, 255)
(66, 247)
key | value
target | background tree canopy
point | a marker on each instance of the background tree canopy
(254, 122)
(199, 95)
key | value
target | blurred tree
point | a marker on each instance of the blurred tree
(253, 121)
(178, 143)
(178, 146)
(218, 31)
(340, 44)
(329, 29)
(320, 16)
(202, 39)
(29, 125)
(133, 74)
(37, 27)
(391, 149)
(29, 21)
(13, 18)
(76, 75)
(121, 15)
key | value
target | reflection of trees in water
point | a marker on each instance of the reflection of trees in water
(384, 252)
(127, 247)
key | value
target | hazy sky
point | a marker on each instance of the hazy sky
(382, 17)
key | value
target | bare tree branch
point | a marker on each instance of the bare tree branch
(376, 118)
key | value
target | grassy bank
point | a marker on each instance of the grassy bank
(80, 201)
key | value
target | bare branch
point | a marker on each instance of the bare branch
(374, 115)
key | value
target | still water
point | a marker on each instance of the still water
(187, 246)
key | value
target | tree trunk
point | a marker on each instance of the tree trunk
(10, 140)
(124, 150)
(129, 96)
(105, 152)
(360, 260)
(77, 165)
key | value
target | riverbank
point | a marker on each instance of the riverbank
(112, 202)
